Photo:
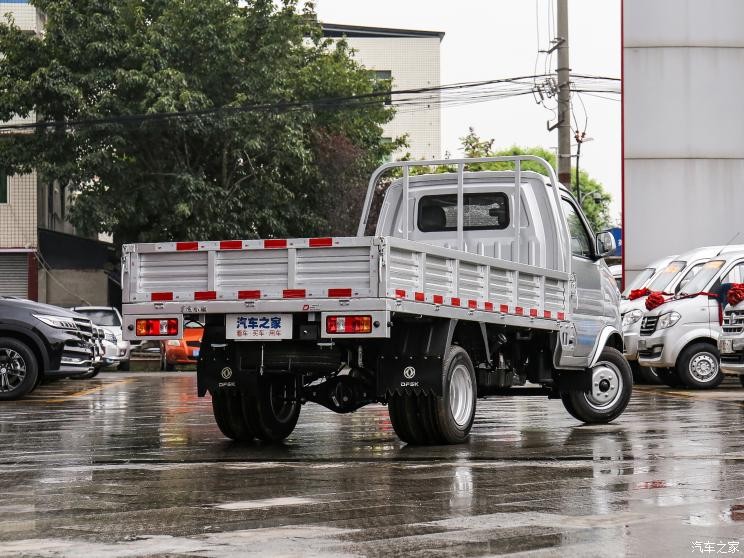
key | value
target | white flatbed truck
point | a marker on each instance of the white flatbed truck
(474, 284)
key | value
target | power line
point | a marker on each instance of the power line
(522, 85)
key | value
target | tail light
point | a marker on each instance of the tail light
(157, 328)
(349, 324)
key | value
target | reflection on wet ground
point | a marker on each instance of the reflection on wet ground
(133, 465)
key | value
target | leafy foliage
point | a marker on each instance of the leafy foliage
(233, 173)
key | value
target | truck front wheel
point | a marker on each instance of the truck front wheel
(447, 419)
(611, 387)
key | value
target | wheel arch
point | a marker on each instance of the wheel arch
(609, 337)
(34, 343)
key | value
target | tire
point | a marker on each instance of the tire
(649, 376)
(448, 419)
(227, 407)
(668, 377)
(19, 369)
(268, 412)
(699, 366)
(124, 366)
(612, 386)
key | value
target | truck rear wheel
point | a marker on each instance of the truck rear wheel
(699, 366)
(272, 412)
(612, 385)
(227, 407)
(425, 419)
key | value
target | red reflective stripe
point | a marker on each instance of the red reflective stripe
(504, 308)
(231, 244)
(320, 242)
(274, 243)
(181, 246)
(293, 293)
(205, 295)
(455, 302)
(519, 311)
(533, 312)
(547, 314)
(400, 293)
(438, 299)
(161, 296)
(419, 297)
(561, 316)
(249, 294)
(339, 293)
(473, 304)
(488, 306)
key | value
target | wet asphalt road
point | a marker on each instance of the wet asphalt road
(133, 465)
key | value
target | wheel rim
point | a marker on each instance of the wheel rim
(607, 386)
(461, 395)
(12, 370)
(703, 367)
(280, 406)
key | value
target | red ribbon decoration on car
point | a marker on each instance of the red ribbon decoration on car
(655, 300)
(638, 293)
(736, 294)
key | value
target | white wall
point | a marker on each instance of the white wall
(683, 126)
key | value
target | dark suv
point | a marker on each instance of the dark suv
(37, 341)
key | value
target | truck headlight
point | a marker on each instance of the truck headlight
(60, 322)
(632, 317)
(668, 320)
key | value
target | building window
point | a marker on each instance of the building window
(3, 186)
(383, 79)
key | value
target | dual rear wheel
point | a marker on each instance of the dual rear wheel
(270, 414)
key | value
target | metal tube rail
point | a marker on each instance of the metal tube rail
(564, 245)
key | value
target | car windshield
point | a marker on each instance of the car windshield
(665, 276)
(704, 276)
(101, 317)
(639, 281)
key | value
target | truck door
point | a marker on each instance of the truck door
(587, 297)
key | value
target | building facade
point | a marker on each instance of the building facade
(683, 135)
(411, 60)
(41, 256)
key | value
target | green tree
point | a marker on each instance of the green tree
(596, 211)
(223, 171)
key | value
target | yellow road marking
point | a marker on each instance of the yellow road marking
(82, 393)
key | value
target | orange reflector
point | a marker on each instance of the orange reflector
(349, 324)
(157, 327)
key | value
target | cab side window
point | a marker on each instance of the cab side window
(735, 275)
(689, 276)
(581, 243)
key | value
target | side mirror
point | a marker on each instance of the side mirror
(606, 244)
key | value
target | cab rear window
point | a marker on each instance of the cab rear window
(483, 211)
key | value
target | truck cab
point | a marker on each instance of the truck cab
(680, 336)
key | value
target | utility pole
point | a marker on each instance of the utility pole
(564, 97)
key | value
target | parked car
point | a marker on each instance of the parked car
(680, 335)
(672, 275)
(109, 318)
(731, 342)
(184, 350)
(41, 341)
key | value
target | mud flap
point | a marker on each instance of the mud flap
(409, 374)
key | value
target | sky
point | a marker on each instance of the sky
(491, 39)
